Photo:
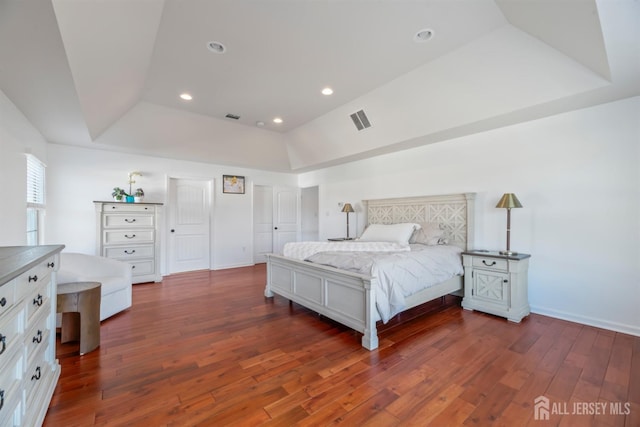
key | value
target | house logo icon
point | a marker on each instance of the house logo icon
(541, 408)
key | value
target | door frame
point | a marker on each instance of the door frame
(165, 222)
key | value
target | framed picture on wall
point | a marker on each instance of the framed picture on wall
(233, 184)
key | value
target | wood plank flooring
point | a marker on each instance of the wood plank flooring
(206, 348)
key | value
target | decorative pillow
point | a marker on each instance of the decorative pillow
(430, 233)
(397, 233)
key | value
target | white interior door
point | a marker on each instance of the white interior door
(189, 224)
(286, 216)
(262, 222)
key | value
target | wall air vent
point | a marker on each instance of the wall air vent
(232, 116)
(361, 120)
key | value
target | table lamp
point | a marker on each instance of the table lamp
(508, 202)
(347, 208)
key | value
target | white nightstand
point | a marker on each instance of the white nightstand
(496, 284)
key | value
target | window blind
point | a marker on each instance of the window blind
(35, 182)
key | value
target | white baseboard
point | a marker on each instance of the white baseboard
(591, 321)
(225, 267)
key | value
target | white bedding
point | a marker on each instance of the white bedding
(399, 274)
(303, 250)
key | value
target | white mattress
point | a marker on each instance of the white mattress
(399, 274)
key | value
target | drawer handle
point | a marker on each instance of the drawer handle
(489, 265)
(129, 237)
(37, 300)
(1, 398)
(130, 221)
(3, 302)
(51, 264)
(33, 278)
(3, 340)
(38, 338)
(133, 266)
(37, 375)
(129, 253)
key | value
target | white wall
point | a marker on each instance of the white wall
(78, 176)
(17, 137)
(577, 175)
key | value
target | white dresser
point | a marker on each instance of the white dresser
(129, 232)
(29, 370)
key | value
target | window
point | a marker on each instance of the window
(35, 199)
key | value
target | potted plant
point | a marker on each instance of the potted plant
(138, 195)
(118, 194)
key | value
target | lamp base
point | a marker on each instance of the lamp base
(508, 253)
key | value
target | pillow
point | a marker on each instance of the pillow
(429, 233)
(396, 233)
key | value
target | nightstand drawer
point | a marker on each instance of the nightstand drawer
(492, 263)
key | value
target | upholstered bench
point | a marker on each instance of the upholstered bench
(114, 275)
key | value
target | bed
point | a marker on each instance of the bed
(349, 297)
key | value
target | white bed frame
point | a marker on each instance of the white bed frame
(348, 298)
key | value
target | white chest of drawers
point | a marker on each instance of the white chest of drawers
(129, 232)
(29, 370)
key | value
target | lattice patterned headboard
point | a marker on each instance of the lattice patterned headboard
(454, 212)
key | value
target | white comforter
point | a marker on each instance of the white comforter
(303, 250)
(399, 274)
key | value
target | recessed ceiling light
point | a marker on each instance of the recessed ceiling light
(277, 120)
(259, 124)
(216, 47)
(186, 96)
(327, 91)
(423, 35)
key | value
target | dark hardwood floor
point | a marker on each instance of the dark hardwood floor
(206, 348)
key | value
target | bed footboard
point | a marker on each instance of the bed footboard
(347, 298)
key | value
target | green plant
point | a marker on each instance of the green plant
(139, 192)
(118, 193)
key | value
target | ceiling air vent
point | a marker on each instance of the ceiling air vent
(232, 116)
(361, 120)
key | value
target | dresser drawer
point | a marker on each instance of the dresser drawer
(11, 329)
(134, 220)
(7, 296)
(129, 252)
(38, 301)
(126, 207)
(127, 237)
(38, 372)
(28, 281)
(492, 263)
(142, 267)
(10, 390)
(37, 336)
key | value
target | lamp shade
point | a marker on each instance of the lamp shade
(509, 201)
(347, 208)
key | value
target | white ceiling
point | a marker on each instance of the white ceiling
(107, 74)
